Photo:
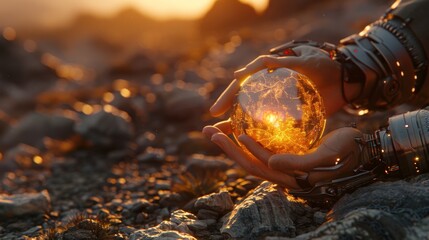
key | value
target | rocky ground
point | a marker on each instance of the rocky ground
(121, 156)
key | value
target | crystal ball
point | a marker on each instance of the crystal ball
(280, 109)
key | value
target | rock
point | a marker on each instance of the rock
(34, 127)
(162, 214)
(10, 236)
(180, 216)
(267, 210)
(18, 67)
(106, 130)
(216, 237)
(120, 154)
(195, 142)
(167, 225)
(201, 163)
(152, 155)
(33, 230)
(219, 202)
(407, 200)
(361, 224)
(209, 222)
(183, 104)
(24, 204)
(139, 63)
(91, 200)
(20, 157)
(197, 225)
(183, 228)
(140, 217)
(420, 230)
(207, 214)
(155, 233)
(385, 210)
(319, 217)
(20, 226)
(137, 205)
(127, 230)
(162, 185)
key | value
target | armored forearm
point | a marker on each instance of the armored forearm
(388, 59)
(403, 146)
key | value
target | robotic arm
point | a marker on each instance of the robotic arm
(388, 59)
(399, 150)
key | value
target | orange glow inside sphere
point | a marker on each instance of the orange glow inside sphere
(280, 109)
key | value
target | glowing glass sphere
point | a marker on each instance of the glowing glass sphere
(281, 109)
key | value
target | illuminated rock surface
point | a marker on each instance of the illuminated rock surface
(281, 110)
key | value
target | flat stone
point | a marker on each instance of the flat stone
(219, 202)
(23, 204)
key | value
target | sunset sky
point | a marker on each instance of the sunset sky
(18, 13)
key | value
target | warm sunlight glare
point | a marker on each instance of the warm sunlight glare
(12, 13)
(165, 9)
